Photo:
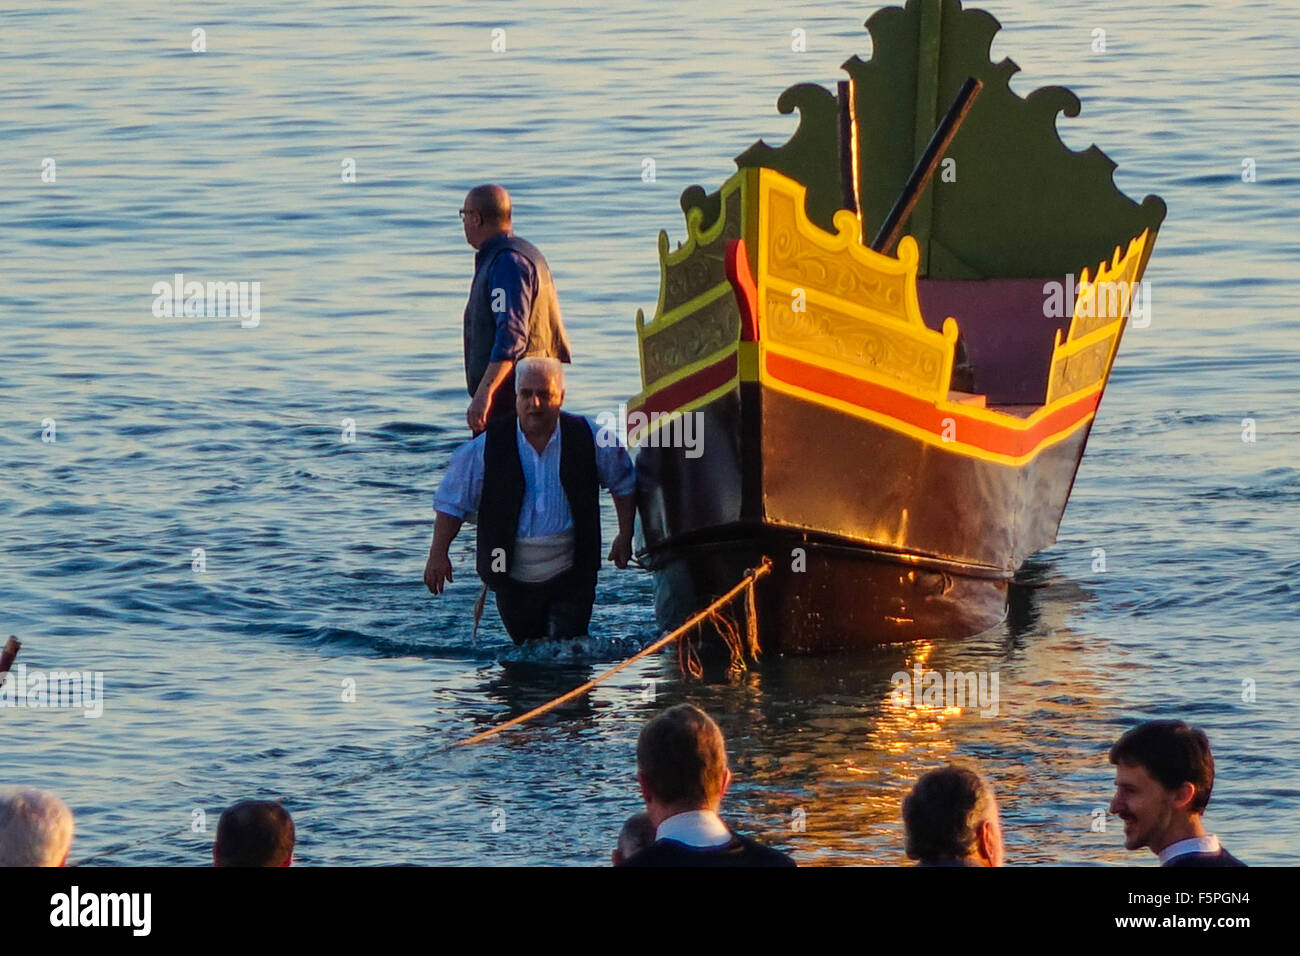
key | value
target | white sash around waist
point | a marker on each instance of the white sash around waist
(540, 559)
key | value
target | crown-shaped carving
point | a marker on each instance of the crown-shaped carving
(1012, 200)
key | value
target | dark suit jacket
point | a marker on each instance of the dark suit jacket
(1222, 858)
(741, 851)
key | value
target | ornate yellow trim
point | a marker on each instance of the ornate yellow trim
(635, 436)
(698, 264)
(988, 414)
(684, 372)
(692, 280)
(929, 437)
(712, 323)
(841, 304)
(1083, 359)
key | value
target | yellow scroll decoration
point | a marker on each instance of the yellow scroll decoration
(827, 299)
(1084, 359)
(697, 316)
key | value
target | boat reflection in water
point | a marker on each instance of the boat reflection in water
(824, 748)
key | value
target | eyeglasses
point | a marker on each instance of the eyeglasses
(467, 212)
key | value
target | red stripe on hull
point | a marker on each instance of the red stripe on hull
(693, 386)
(990, 436)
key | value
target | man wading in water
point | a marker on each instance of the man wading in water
(534, 483)
(512, 310)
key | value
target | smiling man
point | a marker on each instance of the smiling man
(1164, 773)
(532, 483)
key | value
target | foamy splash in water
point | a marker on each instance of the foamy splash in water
(577, 650)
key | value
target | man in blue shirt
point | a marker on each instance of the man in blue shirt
(513, 309)
(532, 484)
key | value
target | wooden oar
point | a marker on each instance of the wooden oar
(478, 615)
(7, 656)
(920, 178)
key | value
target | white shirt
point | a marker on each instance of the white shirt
(545, 508)
(695, 828)
(1201, 844)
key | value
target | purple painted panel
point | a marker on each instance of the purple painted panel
(1008, 338)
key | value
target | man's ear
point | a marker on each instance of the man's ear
(984, 841)
(1184, 795)
(726, 782)
(646, 795)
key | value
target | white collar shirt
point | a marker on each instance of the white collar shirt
(698, 828)
(1201, 844)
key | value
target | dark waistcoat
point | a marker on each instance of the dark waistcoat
(546, 336)
(503, 496)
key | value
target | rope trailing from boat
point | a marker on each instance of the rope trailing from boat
(709, 614)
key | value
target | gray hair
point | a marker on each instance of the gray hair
(35, 828)
(552, 368)
(943, 811)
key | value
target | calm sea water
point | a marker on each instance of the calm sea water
(181, 433)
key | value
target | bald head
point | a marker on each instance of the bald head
(490, 201)
(486, 213)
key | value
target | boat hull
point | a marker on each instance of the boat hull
(831, 596)
(897, 428)
(893, 539)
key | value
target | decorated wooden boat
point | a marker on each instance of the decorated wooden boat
(897, 430)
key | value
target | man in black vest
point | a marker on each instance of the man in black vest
(681, 763)
(512, 312)
(533, 482)
(1164, 773)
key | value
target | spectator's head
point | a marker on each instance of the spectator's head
(951, 816)
(681, 763)
(1164, 773)
(637, 834)
(254, 833)
(35, 828)
(539, 394)
(486, 213)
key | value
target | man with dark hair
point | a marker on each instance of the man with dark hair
(682, 769)
(951, 819)
(513, 310)
(1164, 773)
(254, 833)
(637, 834)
